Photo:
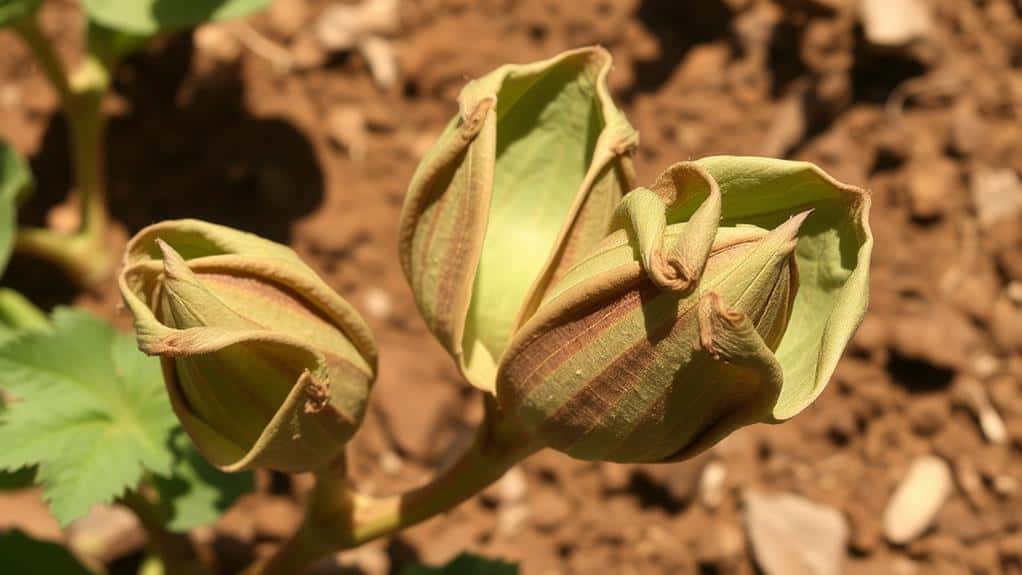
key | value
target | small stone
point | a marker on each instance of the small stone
(975, 398)
(382, 61)
(513, 487)
(378, 303)
(792, 535)
(985, 365)
(511, 519)
(345, 125)
(997, 196)
(711, 485)
(917, 499)
(369, 559)
(216, 48)
(615, 476)
(895, 23)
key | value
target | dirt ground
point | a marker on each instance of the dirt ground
(319, 156)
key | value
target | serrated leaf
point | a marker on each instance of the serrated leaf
(197, 493)
(24, 555)
(154, 16)
(12, 9)
(15, 182)
(91, 412)
(465, 564)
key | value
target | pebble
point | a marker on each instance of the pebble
(346, 128)
(917, 499)
(378, 303)
(975, 398)
(996, 194)
(792, 535)
(895, 23)
(711, 485)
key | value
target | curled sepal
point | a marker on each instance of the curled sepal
(265, 366)
(520, 185)
(644, 211)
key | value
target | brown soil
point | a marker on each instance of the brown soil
(248, 145)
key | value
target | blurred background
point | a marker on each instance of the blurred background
(304, 124)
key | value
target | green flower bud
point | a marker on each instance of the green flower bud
(265, 365)
(724, 297)
(521, 183)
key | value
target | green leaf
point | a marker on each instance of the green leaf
(24, 555)
(197, 493)
(465, 564)
(91, 412)
(154, 16)
(13, 9)
(110, 45)
(15, 182)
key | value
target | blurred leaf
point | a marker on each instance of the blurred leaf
(196, 493)
(15, 182)
(23, 555)
(465, 564)
(91, 412)
(110, 45)
(154, 16)
(16, 313)
(12, 9)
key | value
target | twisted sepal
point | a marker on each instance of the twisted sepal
(519, 186)
(265, 365)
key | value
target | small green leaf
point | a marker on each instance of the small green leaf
(465, 564)
(197, 493)
(27, 556)
(15, 182)
(90, 412)
(154, 16)
(13, 9)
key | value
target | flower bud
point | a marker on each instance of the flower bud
(265, 365)
(521, 184)
(724, 297)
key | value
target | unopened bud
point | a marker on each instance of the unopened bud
(265, 365)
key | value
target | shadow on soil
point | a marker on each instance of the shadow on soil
(180, 146)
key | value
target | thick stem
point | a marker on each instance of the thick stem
(337, 518)
(175, 550)
(28, 28)
(82, 255)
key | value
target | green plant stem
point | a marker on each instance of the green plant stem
(175, 550)
(337, 518)
(17, 312)
(83, 254)
(28, 28)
